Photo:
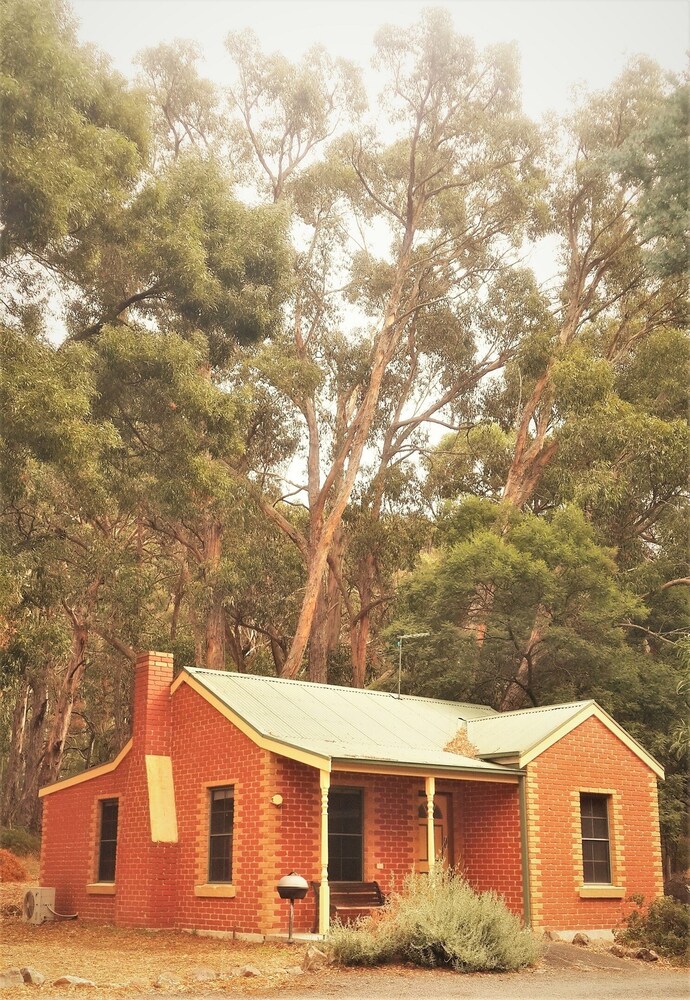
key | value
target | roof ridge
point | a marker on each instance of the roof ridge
(536, 709)
(340, 687)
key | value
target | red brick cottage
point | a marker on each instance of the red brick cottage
(231, 780)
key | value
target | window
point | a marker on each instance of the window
(596, 853)
(220, 834)
(345, 835)
(107, 846)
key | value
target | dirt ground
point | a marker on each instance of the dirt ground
(122, 962)
(126, 964)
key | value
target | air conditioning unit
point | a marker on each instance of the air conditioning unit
(38, 905)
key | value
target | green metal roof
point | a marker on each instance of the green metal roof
(348, 724)
(343, 724)
(515, 733)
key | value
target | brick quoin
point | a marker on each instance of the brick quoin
(158, 885)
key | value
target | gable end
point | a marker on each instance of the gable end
(265, 742)
(589, 710)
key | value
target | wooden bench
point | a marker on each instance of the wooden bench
(350, 900)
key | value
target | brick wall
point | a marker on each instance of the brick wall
(490, 854)
(69, 845)
(295, 826)
(591, 759)
(207, 750)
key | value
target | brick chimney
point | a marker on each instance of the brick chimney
(151, 722)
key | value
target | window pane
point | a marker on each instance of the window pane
(600, 829)
(594, 850)
(345, 835)
(222, 810)
(107, 848)
(596, 860)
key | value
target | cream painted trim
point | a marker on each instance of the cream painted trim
(430, 791)
(592, 891)
(100, 889)
(161, 788)
(359, 767)
(216, 890)
(587, 712)
(324, 888)
(265, 742)
(93, 772)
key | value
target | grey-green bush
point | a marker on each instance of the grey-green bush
(664, 926)
(439, 920)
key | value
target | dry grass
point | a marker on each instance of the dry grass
(123, 962)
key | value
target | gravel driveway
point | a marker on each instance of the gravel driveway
(567, 973)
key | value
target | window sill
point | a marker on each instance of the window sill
(601, 892)
(101, 889)
(215, 890)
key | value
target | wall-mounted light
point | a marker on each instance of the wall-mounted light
(277, 800)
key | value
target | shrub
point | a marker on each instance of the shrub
(11, 868)
(19, 841)
(439, 920)
(362, 943)
(664, 925)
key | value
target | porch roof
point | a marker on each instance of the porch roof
(350, 725)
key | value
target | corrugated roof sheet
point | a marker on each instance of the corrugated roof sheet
(347, 723)
(517, 732)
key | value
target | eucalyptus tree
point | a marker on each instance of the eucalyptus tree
(611, 295)
(70, 547)
(129, 282)
(608, 300)
(447, 176)
(73, 142)
(184, 104)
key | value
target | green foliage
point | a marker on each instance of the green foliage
(184, 103)
(657, 157)
(664, 926)
(438, 920)
(20, 842)
(548, 571)
(73, 135)
(219, 348)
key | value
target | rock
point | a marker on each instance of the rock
(33, 976)
(314, 959)
(646, 955)
(581, 939)
(295, 970)
(10, 977)
(203, 974)
(74, 981)
(137, 984)
(250, 971)
(619, 951)
(552, 936)
(166, 980)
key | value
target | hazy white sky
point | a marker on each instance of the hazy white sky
(562, 42)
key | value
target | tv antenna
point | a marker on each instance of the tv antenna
(410, 635)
